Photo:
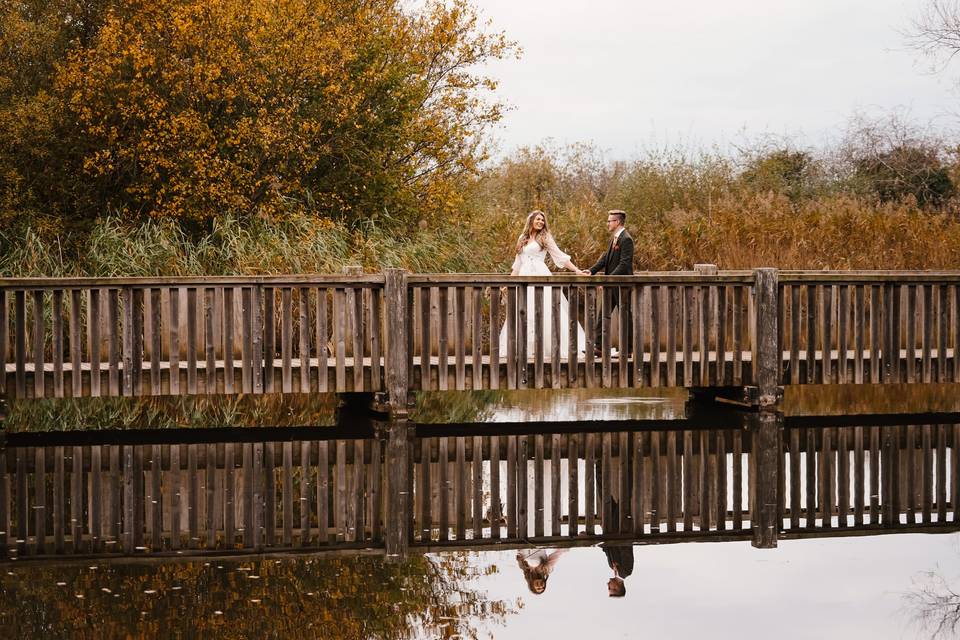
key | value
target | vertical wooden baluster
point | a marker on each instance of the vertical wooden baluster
(323, 492)
(476, 460)
(606, 303)
(76, 354)
(286, 340)
(941, 480)
(623, 339)
(460, 338)
(56, 341)
(573, 336)
(672, 298)
(623, 477)
(638, 303)
(702, 295)
(376, 495)
(608, 523)
(523, 496)
(39, 335)
(209, 344)
(460, 482)
(425, 340)
(476, 338)
(859, 333)
(590, 314)
(811, 343)
(955, 471)
(706, 464)
(269, 340)
(538, 490)
(928, 319)
(268, 494)
(339, 337)
(443, 346)
(573, 484)
(690, 310)
(637, 482)
(444, 483)
(39, 500)
(173, 329)
(228, 342)
(874, 444)
(322, 339)
(192, 340)
(737, 481)
(423, 491)
(910, 321)
(589, 483)
(656, 298)
(926, 475)
(176, 497)
(4, 351)
(262, 520)
(859, 484)
(843, 311)
(843, 478)
(154, 331)
(229, 495)
(737, 335)
(493, 336)
(875, 334)
(20, 342)
(210, 497)
(555, 503)
(811, 479)
(795, 479)
(687, 480)
(356, 317)
(656, 483)
(303, 338)
(942, 314)
(795, 315)
(495, 511)
(555, 336)
(246, 340)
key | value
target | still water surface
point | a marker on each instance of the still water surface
(869, 587)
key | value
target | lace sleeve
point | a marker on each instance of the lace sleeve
(559, 257)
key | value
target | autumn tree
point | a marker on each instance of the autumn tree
(191, 109)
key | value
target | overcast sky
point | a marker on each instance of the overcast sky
(631, 75)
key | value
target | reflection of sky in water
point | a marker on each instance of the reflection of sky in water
(819, 588)
(827, 588)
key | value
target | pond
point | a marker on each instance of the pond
(494, 514)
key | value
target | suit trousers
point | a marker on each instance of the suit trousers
(616, 302)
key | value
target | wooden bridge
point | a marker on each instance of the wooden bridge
(270, 491)
(397, 332)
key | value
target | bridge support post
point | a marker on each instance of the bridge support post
(766, 430)
(766, 366)
(398, 341)
(398, 462)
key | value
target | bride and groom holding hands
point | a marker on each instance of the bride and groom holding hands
(532, 248)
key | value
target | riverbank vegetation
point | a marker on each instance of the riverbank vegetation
(256, 136)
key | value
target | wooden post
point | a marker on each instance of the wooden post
(766, 428)
(395, 307)
(398, 461)
(767, 366)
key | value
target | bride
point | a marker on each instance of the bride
(534, 244)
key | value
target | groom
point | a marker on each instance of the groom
(617, 261)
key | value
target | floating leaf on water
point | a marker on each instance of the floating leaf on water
(255, 600)
(218, 613)
(80, 595)
(61, 584)
(105, 590)
(149, 590)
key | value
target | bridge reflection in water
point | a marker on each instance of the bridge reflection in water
(264, 492)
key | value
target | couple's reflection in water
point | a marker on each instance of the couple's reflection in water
(537, 565)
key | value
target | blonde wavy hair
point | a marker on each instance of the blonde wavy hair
(529, 233)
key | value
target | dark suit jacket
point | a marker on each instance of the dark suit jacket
(618, 260)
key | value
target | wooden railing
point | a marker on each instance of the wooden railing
(398, 332)
(475, 490)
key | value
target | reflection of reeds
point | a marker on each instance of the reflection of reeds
(826, 400)
(272, 410)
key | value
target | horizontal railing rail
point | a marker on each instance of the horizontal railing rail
(398, 332)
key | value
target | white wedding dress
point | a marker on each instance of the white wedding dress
(531, 261)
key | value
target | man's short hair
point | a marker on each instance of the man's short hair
(622, 215)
